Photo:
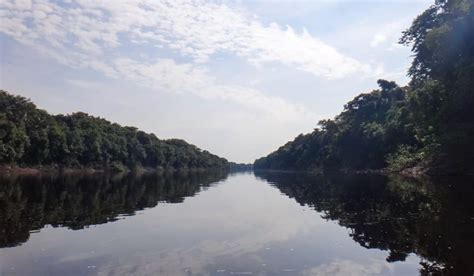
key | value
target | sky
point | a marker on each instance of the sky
(237, 78)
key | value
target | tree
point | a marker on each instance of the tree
(31, 137)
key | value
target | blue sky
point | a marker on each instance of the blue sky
(238, 78)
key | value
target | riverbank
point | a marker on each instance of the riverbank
(45, 169)
(10, 169)
(417, 172)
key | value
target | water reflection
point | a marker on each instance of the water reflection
(298, 225)
(403, 216)
(75, 201)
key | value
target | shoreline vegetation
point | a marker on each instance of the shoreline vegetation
(9, 169)
(424, 128)
(410, 173)
(32, 139)
(50, 169)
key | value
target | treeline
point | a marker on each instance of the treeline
(32, 137)
(240, 166)
(429, 124)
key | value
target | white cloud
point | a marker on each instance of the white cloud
(96, 34)
(85, 84)
(167, 75)
(195, 29)
(389, 33)
(377, 40)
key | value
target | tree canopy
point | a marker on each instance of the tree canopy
(429, 123)
(32, 137)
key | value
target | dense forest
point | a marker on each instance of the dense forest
(31, 137)
(235, 167)
(427, 125)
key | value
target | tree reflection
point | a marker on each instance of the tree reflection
(29, 202)
(434, 220)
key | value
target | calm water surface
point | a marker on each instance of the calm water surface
(239, 224)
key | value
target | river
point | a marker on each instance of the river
(216, 223)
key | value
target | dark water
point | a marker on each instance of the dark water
(239, 224)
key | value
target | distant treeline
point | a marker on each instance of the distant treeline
(428, 124)
(31, 137)
(240, 166)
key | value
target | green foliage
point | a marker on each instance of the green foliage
(236, 167)
(32, 137)
(430, 122)
(404, 157)
(442, 97)
(370, 127)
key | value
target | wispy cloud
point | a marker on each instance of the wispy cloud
(85, 84)
(167, 75)
(97, 34)
(389, 33)
(194, 29)
(203, 49)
